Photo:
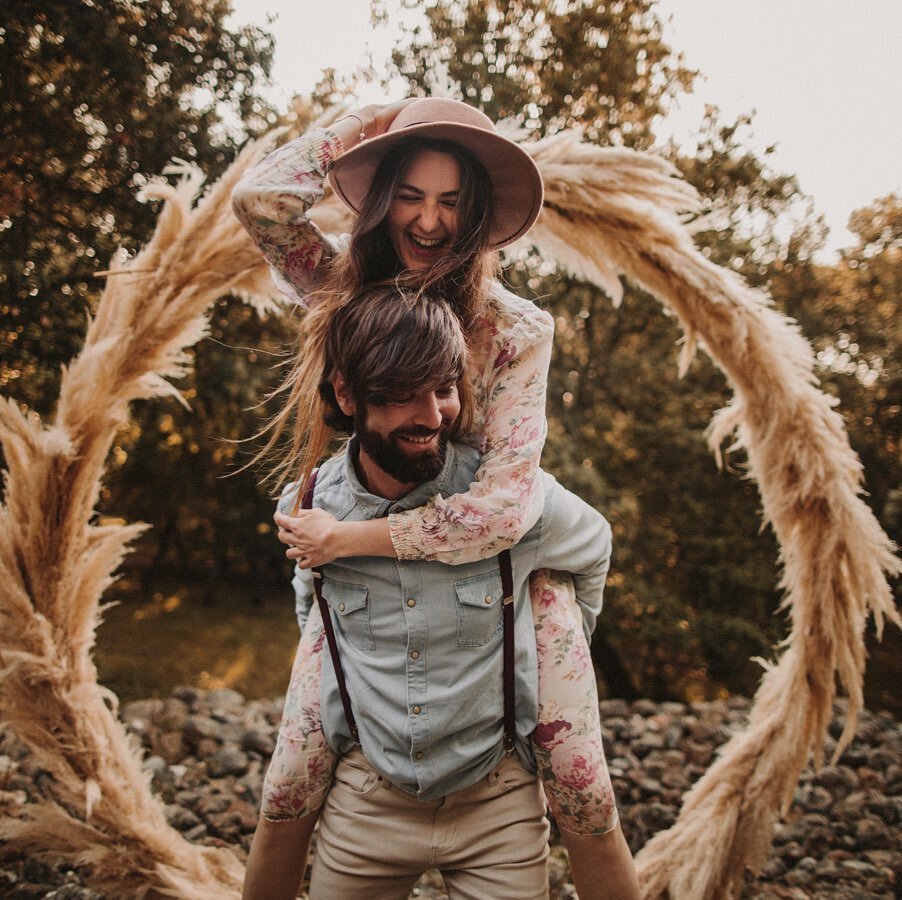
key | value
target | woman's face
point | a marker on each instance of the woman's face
(422, 218)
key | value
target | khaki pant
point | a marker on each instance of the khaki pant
(375, 840)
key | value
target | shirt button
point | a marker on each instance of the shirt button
(419, 754)
(415, 654)
(488, 598)
(341, 606)
(417, 710)
(411, 602)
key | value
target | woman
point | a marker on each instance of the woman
(437, 192)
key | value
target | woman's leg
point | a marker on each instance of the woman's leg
(568, 745)
(299, 776)
(303, 764)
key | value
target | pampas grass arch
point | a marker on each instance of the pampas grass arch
(608, 213)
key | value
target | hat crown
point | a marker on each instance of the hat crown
(434, 110)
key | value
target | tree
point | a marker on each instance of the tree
(517, 58)
(98, 96)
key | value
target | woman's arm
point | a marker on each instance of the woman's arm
(273, 199)
(506, 498)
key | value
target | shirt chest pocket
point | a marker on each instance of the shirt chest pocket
(478, 609)
(350, 606)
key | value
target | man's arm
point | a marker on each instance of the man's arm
(576, 538)
(303, 594)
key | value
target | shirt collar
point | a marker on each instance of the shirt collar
(380, 506)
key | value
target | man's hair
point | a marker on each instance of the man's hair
(390, 345)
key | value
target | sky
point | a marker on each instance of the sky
(823, 78)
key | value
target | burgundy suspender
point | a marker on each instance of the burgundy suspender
(327, 624)
(507, 589)
(507, 593)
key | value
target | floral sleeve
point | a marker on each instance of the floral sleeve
(272, 201)
(510, 353)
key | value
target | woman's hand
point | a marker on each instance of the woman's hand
(381, 116)
(315, 537)
(312, 537)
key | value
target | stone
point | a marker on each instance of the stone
(198, 728)
(839, 780)
(881, 759)
(224, 698)
(850, 808)
(227, 760)
(613, 707)
(181, 818)
(645, 708)
(886, 808)
(872, 833)
(258, 742)
(814, 798)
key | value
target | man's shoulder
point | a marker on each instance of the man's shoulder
(463, 471)
(330, 477)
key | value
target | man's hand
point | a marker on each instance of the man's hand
(312, 537)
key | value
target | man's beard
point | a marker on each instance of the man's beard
(406, 466)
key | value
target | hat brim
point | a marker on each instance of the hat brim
(516, 181)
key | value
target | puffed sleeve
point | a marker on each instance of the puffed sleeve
(506, 498)
(272, 202)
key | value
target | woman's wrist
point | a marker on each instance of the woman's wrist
(367, 538)
(356, 127)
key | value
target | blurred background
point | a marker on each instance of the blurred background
(97, 96)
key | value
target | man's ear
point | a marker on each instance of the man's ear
(342, 395)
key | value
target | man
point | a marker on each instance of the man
(428, 777)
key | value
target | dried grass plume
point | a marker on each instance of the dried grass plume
(55, 564)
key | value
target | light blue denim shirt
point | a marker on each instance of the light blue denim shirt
(421, 642)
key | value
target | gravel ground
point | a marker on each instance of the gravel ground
(207, 752)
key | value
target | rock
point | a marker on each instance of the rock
(258, 742)
(840, 781)
(850, 808)
(227, 761)
(213, 804)
(871, 833)
(886, 808)
(198, 728)
(197, 833)
(207, 753)
(881, 759)
(814, 798)
(181, 818)
(647, 743)
(645, 708)
(615, 707)
(224, 698)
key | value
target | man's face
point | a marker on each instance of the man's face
(407, 440)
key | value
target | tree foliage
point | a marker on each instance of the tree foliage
(97, 97)
(550, 65)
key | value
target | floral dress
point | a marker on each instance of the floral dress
(509, 354)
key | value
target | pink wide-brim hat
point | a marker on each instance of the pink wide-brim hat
(516, 181)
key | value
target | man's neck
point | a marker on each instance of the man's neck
(377, 481)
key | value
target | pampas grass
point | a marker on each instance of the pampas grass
(55, 561)
(608, 213)
(613, 212)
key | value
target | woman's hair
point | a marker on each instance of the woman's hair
(460, 278)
